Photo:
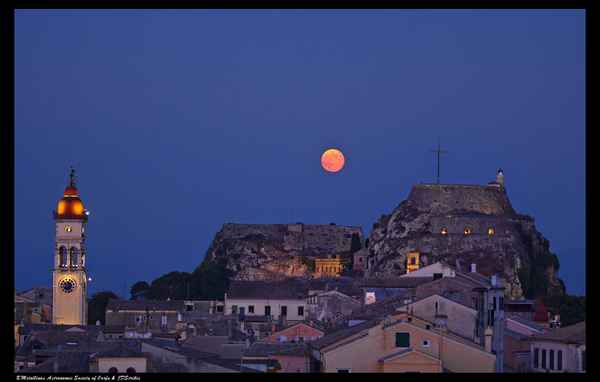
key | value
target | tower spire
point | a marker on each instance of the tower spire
(438, 160)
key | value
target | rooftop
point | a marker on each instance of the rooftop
(569, 334)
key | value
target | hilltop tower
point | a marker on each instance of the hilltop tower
(500, 177)
(69, 274)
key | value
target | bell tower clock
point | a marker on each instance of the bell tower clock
(69, 274)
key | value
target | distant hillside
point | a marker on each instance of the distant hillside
(277, 251)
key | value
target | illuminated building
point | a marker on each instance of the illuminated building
(412, 261)
(69, 274)
(328, 267)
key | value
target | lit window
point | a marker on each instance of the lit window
(491, 231)
(467, 230)
(507, 231)
(444, 231)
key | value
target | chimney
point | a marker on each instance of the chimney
(495, 280)
(473, 268)
(488, 340)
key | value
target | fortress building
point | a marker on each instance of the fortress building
(69, 273)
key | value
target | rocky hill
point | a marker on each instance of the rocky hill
(462, 225)
(277, 251)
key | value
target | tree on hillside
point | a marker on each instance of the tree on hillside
(355, 244)
(97, 306)
(571, 309)
(212, 280)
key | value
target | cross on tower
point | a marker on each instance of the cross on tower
(438, 163)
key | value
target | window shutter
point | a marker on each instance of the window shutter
(402, 340)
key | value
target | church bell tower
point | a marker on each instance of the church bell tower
(69, 274)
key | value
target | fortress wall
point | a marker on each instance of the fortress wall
(478, 224)
(441, 199)
(330, 238)
(238, 231)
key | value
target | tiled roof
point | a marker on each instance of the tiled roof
(120, 352)
(525, 322)
(54, 339)
(340, 335)
(395, 282)
(514, 334)
(173, 305)
(68, 362)
(394, 355)
(264, 349)
(573, 333)
(27, 328)
(215, 344)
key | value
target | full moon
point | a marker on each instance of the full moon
(332, 160)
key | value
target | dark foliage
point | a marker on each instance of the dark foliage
(97, 306)
(570, 308)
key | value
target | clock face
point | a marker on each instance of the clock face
(67, 285)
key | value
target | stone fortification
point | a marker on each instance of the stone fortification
(438, 199)
(285, 249)
(460, 225)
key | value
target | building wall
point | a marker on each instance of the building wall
(330, 305)
(275, 305)
(292, 364)
(153, 321)
(461, 320)
(477, 224)
(122, 364)
(69, 309)
(571, 357)
(363, 354)
(512, 345)
(412, 363)
(295, 333)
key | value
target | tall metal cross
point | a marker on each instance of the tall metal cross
(438, 166)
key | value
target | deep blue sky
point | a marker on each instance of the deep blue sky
(182, 120)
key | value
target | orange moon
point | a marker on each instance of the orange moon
(332, 160)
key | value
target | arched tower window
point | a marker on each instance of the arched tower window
(491, 231)
(73, 257)
(62, 257)
(412, 261)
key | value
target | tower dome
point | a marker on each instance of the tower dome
(70, 206)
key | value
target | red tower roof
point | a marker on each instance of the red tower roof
(70, 206)
(541, 314)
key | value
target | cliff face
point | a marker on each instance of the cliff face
(462, 225)
(277, 251)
